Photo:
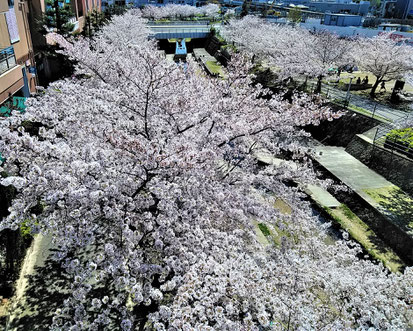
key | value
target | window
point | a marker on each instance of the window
(11, 3)
(7, 59)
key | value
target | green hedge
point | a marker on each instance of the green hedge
(402, 136)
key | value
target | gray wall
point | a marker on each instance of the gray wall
(342, 20)
(403, 7)
(394, 167)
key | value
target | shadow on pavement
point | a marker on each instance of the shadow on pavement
(47, 288)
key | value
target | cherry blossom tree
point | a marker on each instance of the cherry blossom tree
(169, 11)
(327, 51)
(276, 44)
(180, 11)
(386, 57)
(292, 51)
(146, 178)
(210, 10)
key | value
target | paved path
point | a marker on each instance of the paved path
(317, 193)
(201, 54)
(40, 289)
(209, 62)
(381, 194)
(380, 109)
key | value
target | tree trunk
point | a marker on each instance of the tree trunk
(304, 86)
(58, 21)
(318, 88)
(374, 88)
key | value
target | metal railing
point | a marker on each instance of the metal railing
(181, 30)
(177, 23)
(168, 33)
(7, 59)
(369, 108)
(382, 139)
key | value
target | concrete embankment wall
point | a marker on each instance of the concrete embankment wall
(341, 131)
(391, 233)
(394, 167)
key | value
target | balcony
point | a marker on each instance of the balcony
(7, 59)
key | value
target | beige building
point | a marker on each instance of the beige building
(23, 61)
(50, 67)
(17, 66)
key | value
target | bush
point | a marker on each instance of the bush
(404, 136)
(400, 140)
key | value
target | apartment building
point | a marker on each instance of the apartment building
(49, 67)
(25, 60)
(17, 65)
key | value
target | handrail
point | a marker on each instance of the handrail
(7, 59)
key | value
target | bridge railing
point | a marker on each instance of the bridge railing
(153, 23)
(180, 30)
(173, 35)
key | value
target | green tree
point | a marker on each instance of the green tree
(294, 15)
(57, 17)
(264, 11)
(245, 8)
(375, 3)
(94, 20)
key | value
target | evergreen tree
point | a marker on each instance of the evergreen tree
(245, 8)
(57, 17)
(294, 15)
(95, 19)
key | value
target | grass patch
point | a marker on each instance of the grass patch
(394, 200)
(348, 213)
(381, 194)
(231, 47)
(264, 229)
(273, 237)
(368, 113)
(214, 68)
(362, 233)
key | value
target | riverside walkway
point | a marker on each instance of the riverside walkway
(394, 205)
(374, 108)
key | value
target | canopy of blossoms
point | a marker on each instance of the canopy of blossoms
(144, 174)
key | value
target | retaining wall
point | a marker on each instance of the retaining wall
(395, 167)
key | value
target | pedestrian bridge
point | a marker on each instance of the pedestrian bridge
(178, 30)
